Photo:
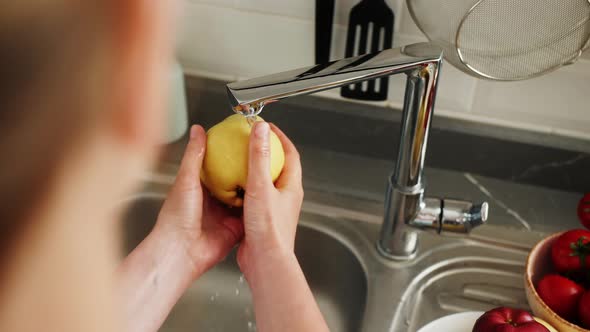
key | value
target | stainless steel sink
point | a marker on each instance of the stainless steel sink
(356, 288)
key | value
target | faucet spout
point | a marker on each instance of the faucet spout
(253, 93)
(405, 206)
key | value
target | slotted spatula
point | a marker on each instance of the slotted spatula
(370, 29)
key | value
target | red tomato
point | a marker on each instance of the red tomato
(584, 210)
(571, 251)
(584, 310)
(561, 295)
(508, 320)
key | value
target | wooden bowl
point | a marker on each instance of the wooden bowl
(537, 266)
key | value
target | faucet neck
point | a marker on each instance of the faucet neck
(254, 93)
(417, 114)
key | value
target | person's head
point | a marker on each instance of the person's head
(82, 85)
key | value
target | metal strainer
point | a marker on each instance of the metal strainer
(506, 40)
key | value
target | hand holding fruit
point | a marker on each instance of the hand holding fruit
(271, 210)
(260, 169)
(198, 225)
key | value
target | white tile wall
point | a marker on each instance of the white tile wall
(288, 8)
(232, 44)
(221, 3)
(234, 39)
(559, 99)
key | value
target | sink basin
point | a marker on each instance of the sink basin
(462, 278)
(221, 301)
(356, 288)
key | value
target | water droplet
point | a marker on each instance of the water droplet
(212, 298)
(241, 281)
(250, 112)
(251, 120)
(237, 291)
(251, 326)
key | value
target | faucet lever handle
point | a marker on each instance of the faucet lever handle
(462, 216)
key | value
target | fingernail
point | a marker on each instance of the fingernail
(194, 131)
(262, 129)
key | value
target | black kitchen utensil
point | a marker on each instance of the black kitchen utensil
(370, 29)
(324, 19)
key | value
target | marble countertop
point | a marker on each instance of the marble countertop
(512, 204)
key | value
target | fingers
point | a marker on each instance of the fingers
(234, 231)
(259, 177)
(211, 210)
(190, 167)
(219, 239)
(214, 210)
(222, 225)
(290, 178)
(228, 233)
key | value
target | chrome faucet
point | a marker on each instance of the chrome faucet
(406, 208)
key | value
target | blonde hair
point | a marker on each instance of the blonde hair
(53, 56)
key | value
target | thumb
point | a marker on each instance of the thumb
(190, 167)
(259, 178)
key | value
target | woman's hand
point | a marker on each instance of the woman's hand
(271, 211)
(266, 256)
(205, 229)
(192, 234)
